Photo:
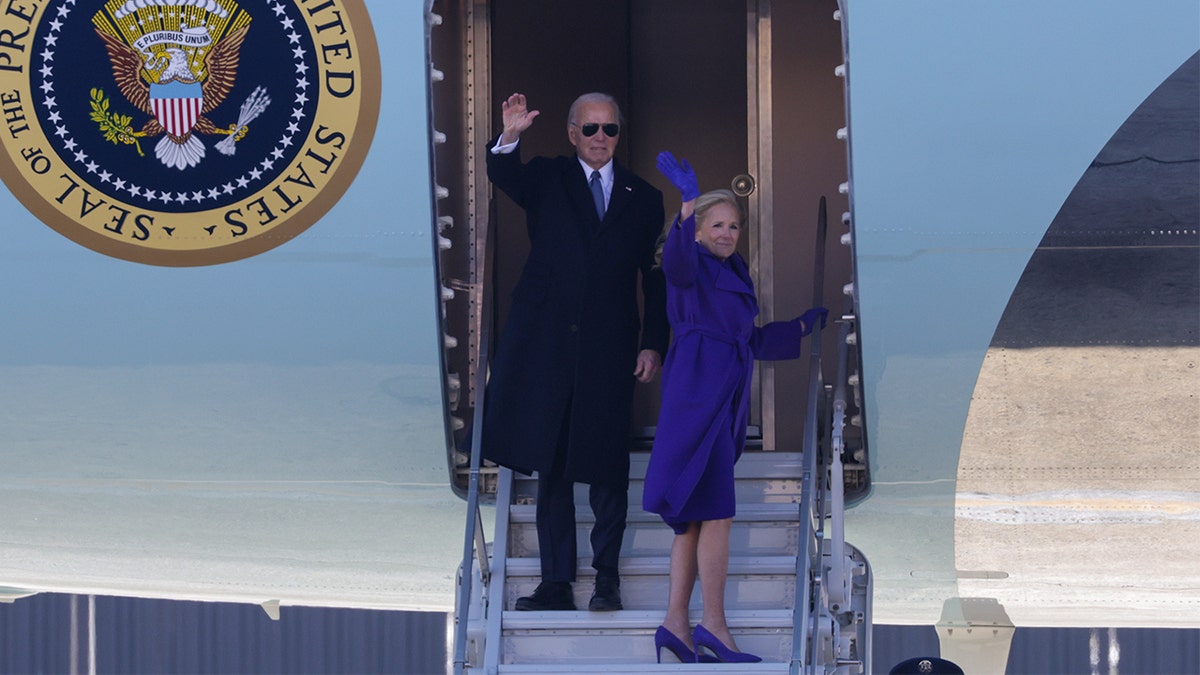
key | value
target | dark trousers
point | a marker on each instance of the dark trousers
(556, 522)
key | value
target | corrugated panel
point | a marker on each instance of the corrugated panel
(161, 636)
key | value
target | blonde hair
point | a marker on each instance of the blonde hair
(704, 204)
(706, 201)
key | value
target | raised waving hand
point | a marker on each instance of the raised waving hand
(517, 118)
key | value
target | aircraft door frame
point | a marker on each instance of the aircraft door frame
(479, 110)
(760, 210)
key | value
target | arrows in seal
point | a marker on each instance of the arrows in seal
(252, 107)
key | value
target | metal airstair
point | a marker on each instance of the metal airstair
(797, 594)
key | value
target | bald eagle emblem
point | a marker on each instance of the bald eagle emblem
(177, 73)
(123, 131)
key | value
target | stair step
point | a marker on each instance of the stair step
(769, 512)
(760, 476)
(758, 530)
(753, 582)
(660, 565)
(750, 538)
(569, 639)
(637, 622)
(750, 465)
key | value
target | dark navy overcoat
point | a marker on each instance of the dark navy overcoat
(569, 345)
(706, 380)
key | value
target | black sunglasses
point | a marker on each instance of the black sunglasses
(611, 129)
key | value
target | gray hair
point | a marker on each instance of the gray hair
(594, 97)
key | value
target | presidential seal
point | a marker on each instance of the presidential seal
(184, 132)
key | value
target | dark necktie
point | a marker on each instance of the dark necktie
(597, 193)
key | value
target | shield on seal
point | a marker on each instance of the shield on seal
(177, 105)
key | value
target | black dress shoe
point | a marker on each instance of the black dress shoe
(607, 596)
(549, 595)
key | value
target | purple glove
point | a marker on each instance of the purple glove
(680, 174)
(811, 317)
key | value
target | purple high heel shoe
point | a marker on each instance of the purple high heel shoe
(665, 638)
(724, 654)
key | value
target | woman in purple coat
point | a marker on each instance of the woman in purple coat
(705, 406)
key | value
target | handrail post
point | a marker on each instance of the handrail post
(810, 509)
(812, 506)
(463, 603)
(838, 584)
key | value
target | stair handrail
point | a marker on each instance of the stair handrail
(811, 523)
(838, 584)
(812, 507)
(474, 539)
(472, 530)
(495, 595)
(848, 627)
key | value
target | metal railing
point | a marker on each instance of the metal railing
(847, 585)
(826, 625)
(812, 498)
(812, 522)
(473, 539)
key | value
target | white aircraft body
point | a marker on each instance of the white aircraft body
(279, 422)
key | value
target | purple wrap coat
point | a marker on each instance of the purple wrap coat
(706, 380)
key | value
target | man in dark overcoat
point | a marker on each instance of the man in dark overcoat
(560, 394)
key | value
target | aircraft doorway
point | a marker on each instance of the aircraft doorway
(679, 70)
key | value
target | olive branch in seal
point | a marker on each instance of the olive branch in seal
(117, 128)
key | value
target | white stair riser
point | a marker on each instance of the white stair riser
(550, 646)
(645, 539)
(742, 592)
(747, 491)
